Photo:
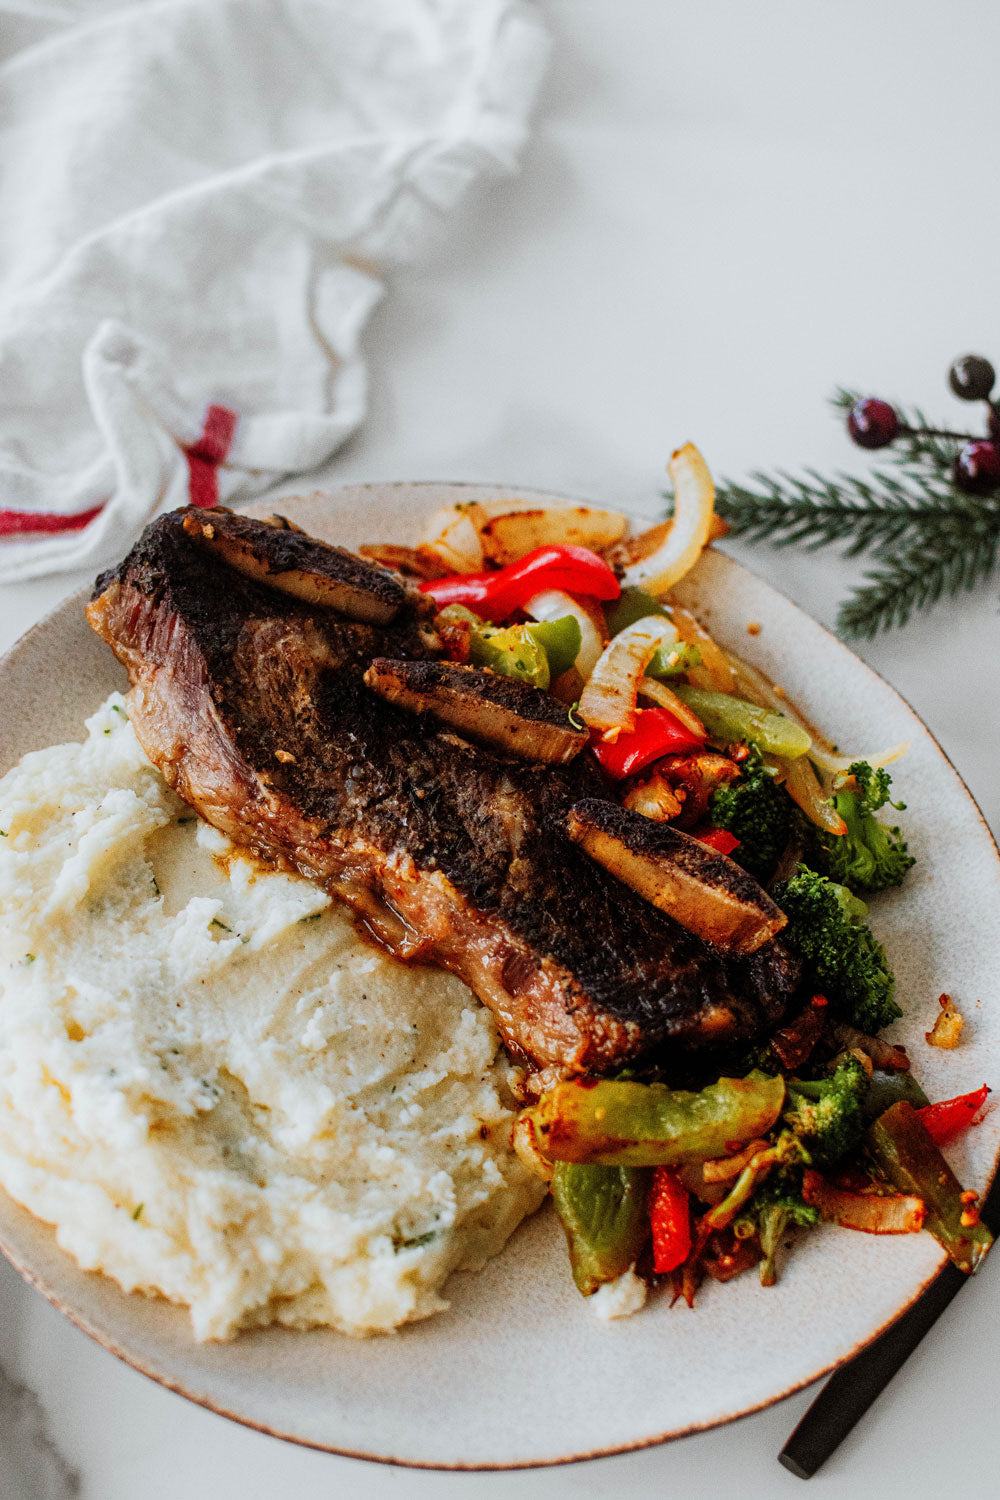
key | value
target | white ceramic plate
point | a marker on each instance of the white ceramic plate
(520, 1371)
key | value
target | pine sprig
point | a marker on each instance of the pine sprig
(918, 579)
(815, 512)
(931, 538)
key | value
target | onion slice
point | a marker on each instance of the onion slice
(452, 538)
(803, 786)
(898, 1213)
(882, 1053)
(694, 499)
(658, 692)
(553, 604)
(726, 1168)
(607, 703)
(522, 1138)
(715, 671)
(409, 561)
(472, 533)
(509, 530)
(835, 764)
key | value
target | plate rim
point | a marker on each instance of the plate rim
(161, 1377)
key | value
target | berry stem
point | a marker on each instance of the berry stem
(938, 432)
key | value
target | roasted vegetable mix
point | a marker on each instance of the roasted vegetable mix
(822, 1120)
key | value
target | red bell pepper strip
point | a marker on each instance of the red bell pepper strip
(495, 595)
(949, 1117)
(670, 1220)
(719, 839)
(657, 732)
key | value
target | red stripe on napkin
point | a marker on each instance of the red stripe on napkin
(24, 522)
(203, 455)
(206, 453)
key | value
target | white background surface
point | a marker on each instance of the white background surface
(725, 211)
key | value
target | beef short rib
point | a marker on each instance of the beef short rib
(252, 703)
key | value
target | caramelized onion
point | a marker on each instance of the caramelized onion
(658, 692)
(726, 1168)
(803, 786)
(896, 1213)
(883, 1054)
(715, 671)
(607, 703)
(655, 799)
(522, 1138)
(680, 548)
(451, 537)
(509, 531)
(835, 764)
(472, 533)
(752, 684)
(413, 561)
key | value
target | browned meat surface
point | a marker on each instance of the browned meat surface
(253, 705)
(499, 712)
(705, 891)
(283, 556)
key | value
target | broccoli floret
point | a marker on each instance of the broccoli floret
(870, 856)
(778, 1206)
(826, 1115)
(757, 811)
(826, 927)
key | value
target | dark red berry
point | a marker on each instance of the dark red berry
(972, 378)
(872, 423)
(977, 468)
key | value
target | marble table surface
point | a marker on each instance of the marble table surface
(725, 211)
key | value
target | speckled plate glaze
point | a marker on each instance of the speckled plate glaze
(519, 1371)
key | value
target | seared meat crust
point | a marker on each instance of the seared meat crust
(253, 705)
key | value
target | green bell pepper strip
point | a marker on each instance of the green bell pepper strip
(729, 719)
(631, 605)
(511, 652)
(604, 1214)
(618, 1122)
(536, 653)
(904, 1153)
(672, 661)
(560, 640)
(886, 1089)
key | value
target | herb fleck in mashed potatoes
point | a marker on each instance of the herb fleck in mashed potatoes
(211, 1086)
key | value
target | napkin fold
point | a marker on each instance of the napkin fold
(201, 201)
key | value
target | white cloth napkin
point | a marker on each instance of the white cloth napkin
(200, 199)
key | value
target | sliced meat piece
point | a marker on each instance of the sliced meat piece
(287, 558)
(253, 705)
(705, 891)
(507, 715)
(411, 561)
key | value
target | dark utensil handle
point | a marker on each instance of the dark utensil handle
(850, 1391)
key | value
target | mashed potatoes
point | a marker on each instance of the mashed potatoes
(211, 1086)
